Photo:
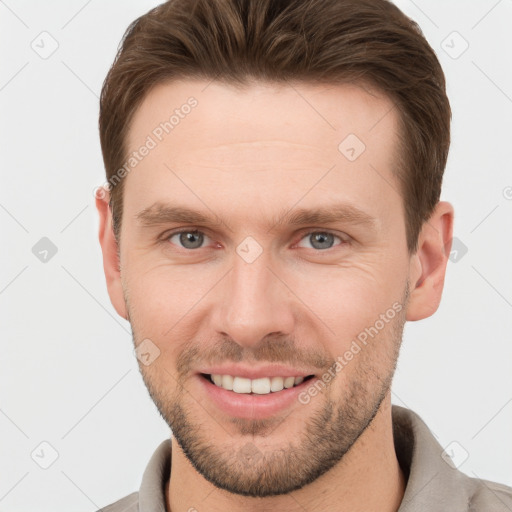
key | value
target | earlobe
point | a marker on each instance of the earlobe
(109, 248)
(428, 265)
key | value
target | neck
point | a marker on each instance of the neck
(368, 478)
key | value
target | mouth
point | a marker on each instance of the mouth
(262, 386)
(243, 402)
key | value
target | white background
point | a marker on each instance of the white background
(68, 373)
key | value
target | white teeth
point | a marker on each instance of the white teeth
(276, 384)
(289, 382)
(261, 386)
(241, 385)
(227, 382)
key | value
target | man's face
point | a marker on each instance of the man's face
(251, 288)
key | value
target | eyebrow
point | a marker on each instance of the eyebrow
(161, 213)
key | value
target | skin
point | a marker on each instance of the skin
(244, 156)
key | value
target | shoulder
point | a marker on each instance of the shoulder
(489, 495)
(129, 503)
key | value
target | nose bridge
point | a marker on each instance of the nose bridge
(254, 302)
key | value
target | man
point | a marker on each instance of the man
(271, 219)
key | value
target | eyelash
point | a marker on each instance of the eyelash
(166, 237)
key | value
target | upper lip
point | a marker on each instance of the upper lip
(255, 373)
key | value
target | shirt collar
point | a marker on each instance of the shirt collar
(433, 483)
(156, 474)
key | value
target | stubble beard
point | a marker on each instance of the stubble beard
(330, 430)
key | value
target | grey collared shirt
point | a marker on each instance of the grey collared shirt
(433, 484)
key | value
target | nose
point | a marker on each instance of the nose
(253, 303)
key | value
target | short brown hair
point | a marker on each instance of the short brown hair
(314, 41)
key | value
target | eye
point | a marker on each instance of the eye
(321, 240)
(188, 239)
(191, 239)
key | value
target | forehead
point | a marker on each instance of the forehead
(272, 141)
(304, 113)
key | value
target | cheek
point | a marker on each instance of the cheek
(167, 305)
(359, 309)
(165, 287)
(348, 299)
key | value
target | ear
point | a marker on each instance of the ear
(109, 248)
(428, 264)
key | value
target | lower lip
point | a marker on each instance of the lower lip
(253, 406)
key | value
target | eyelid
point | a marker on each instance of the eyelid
(344, 238)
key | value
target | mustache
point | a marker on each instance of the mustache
(272, 350)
